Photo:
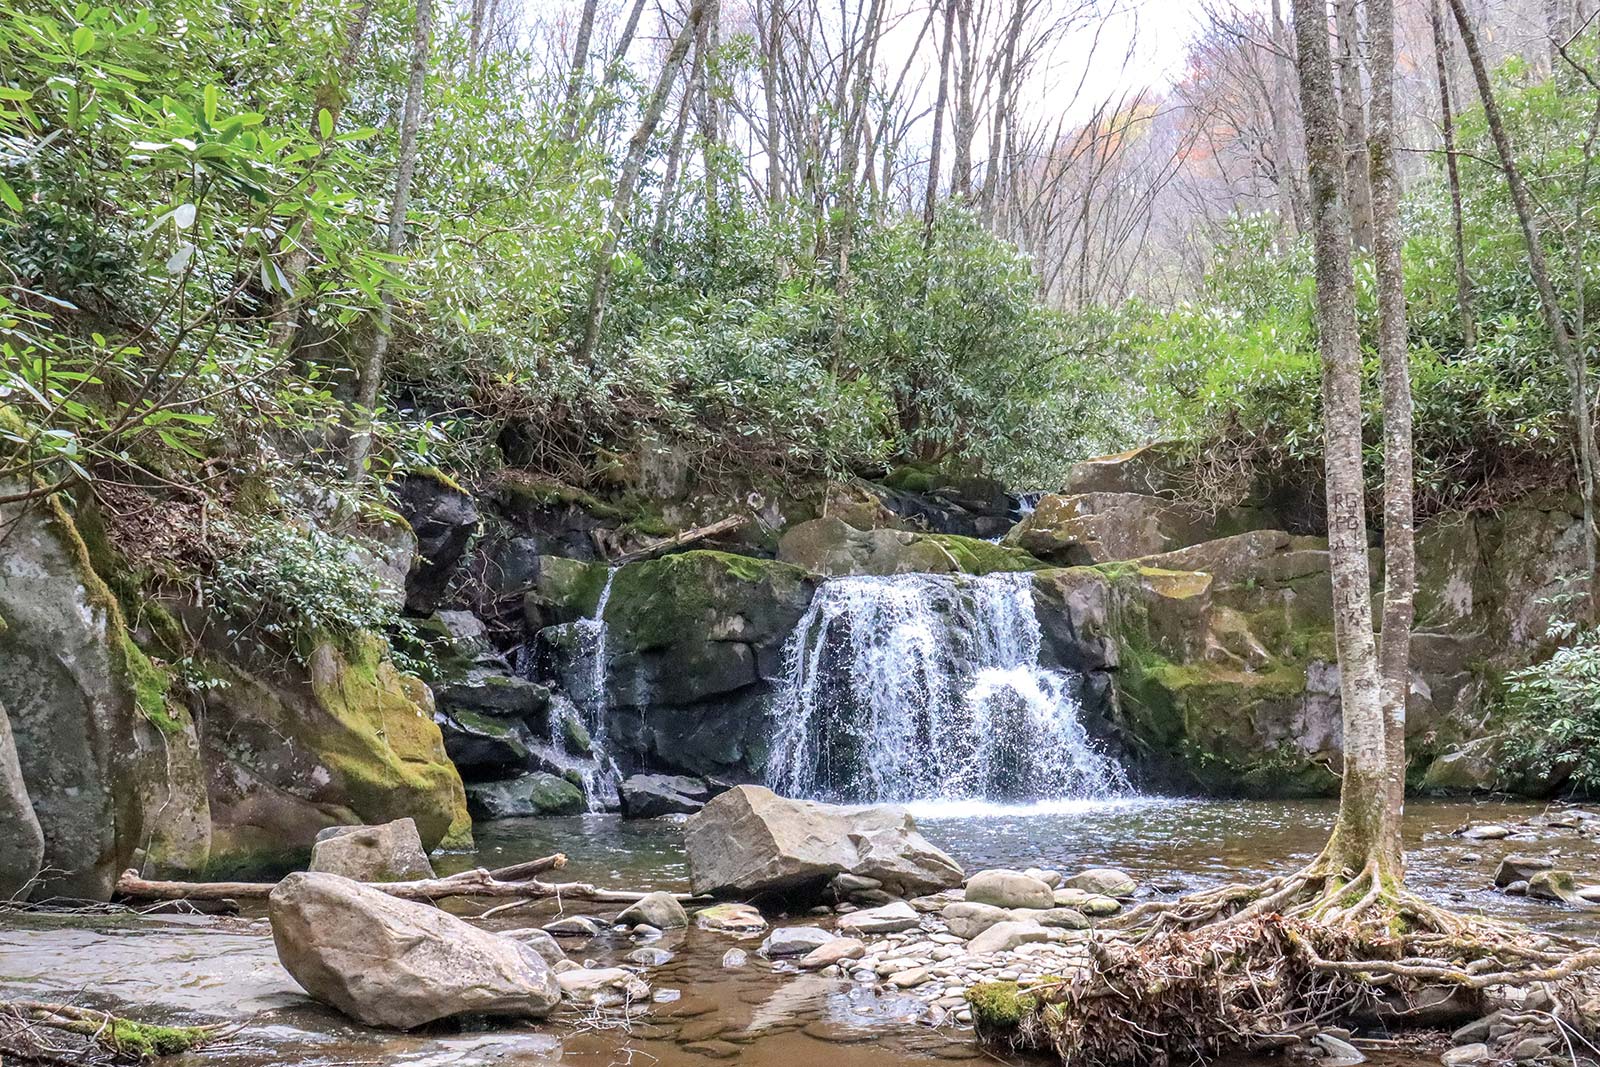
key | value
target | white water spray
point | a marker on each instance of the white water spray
(600, 779)
(921, 686)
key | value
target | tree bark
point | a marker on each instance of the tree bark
(1447, 122)
(941, 101)
(628, 180)
(580, 65)
(1291, 194)
(1399, 547)
(966, 119)
(1572, 360)
(1357, 167)
(1002, 108)
(1367, 832)
(410, 123)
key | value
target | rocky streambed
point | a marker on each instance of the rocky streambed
(894, 994)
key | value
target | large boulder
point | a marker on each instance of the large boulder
(692, 644)
(108, 759)
(538, 793)
(1009, 889)
(345, 739)
(391, 852)
(389, 962)
(751, 841)
(21, 840)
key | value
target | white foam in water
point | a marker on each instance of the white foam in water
(921, 687)
(599, 782)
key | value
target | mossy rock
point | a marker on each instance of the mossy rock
(704, 596)
(537, 793)
(829, 546)
(999, 1007)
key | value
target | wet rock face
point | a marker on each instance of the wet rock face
(1100, 527)
(537, 793)
(750, 841)
(645, 796)
(389, 962)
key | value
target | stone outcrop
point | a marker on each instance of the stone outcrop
(443, 517)
(830, 546)
(346, 739)
(538, 793)
(1086, 528)
(750, 841)
(395, 963)
(109, 761)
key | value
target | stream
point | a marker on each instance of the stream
(193, 968)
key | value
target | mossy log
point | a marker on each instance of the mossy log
(125, 1040)
(516, 882)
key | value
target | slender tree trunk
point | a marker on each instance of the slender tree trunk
(410, 123)
(1399, 548)
(580, 66)
(475, 34)
(1441, 55)
(628, 180)
(772, 56)
(680, 133)
(1367, 831)
(941, 101)
(1002, 108)
(329, 97)
(1291, 194)
(1357, 168)
(966, 122)
(1572, 359)
(855, 119)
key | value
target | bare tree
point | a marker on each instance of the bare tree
(1366, 836)
(1447, 124)
(1572, 360)
(371, 371)
(1399, 548)
(628, 180)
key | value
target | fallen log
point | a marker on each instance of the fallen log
(516, 881)
(126, 1040)
(678, 540)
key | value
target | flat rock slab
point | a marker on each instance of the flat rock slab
(889, 919)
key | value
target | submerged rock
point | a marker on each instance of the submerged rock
(390, 962)
(538, 793)
(391, 852)
(730, 919)
(750, 840)
(645, 796)
(794, 941)
(1520, 868)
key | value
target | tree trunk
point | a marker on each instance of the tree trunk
(1367, 832)
(1572, 359)
(1002, 108)
(410, 123)
(580, 66)
(1291, 194)
(966, 121)
(1399, 548)
(1441, 56)
(1357, 167)
(669, 180)
(855, 118)
(941, 101)
(772, 53)
(628, 180)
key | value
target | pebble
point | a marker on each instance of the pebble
(734, 958)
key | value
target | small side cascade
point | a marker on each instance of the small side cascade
(582, 701)
(929, 687)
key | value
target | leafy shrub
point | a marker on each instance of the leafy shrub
(1553, 707)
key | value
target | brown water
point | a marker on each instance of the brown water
(760, 1014)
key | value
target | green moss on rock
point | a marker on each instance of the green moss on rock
(1000, 1006)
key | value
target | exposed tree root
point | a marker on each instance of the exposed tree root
(1248, 968)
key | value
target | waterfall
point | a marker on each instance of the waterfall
(922, 686)
(600, 774)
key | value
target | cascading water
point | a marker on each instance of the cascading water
(599, 774)
(922, 686)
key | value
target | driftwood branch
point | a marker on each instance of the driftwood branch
(517, 881)
(678, 540)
